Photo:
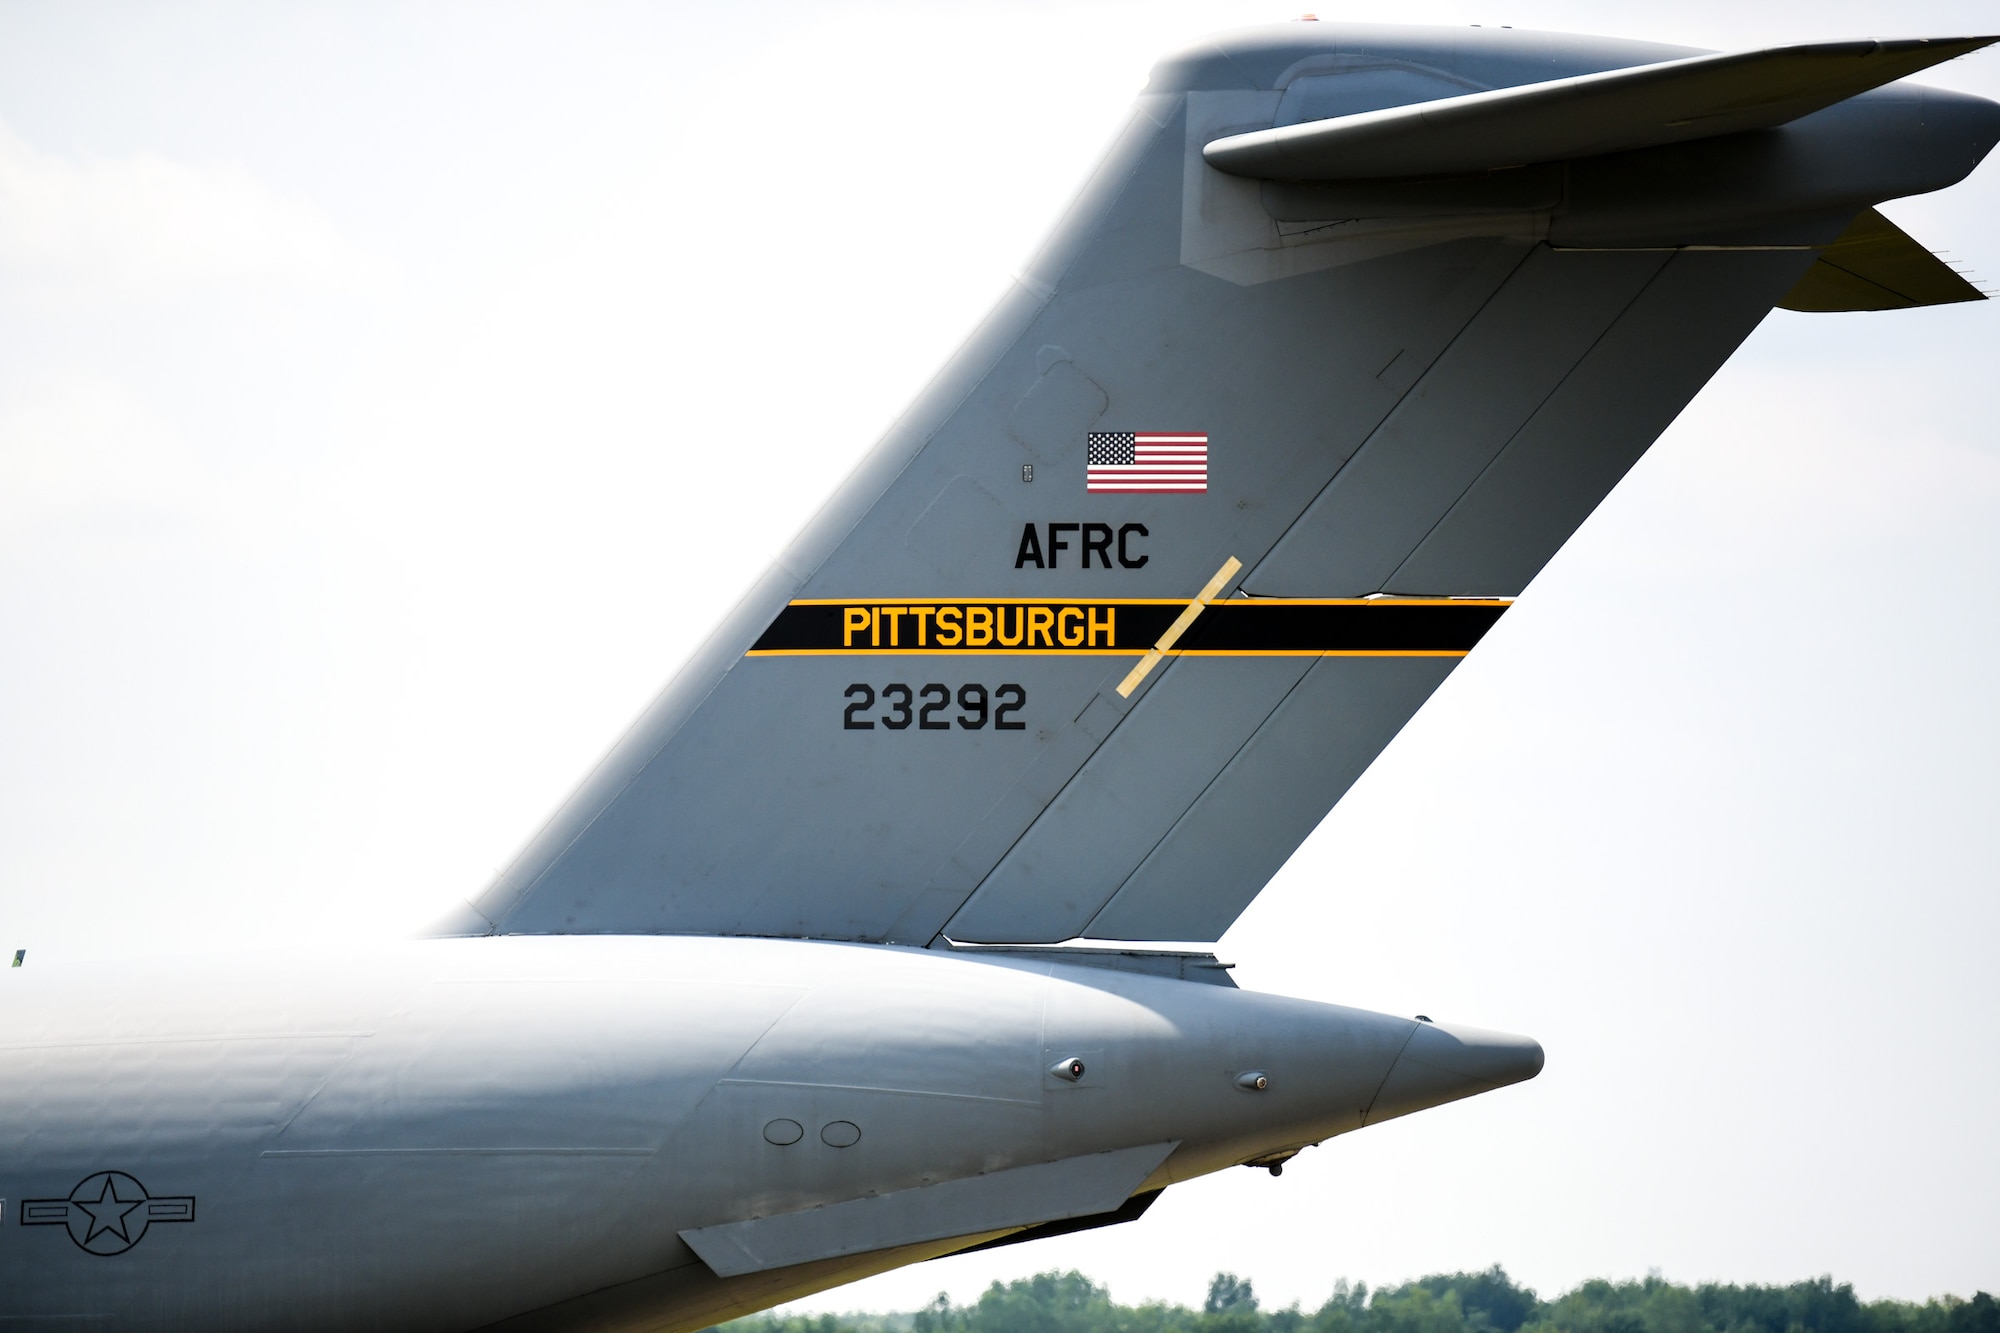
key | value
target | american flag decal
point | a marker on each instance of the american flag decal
(1146, 462)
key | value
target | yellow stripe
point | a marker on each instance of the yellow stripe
(1178, 628)
(940, 652)
(1370, 601)
(1149, 601)
(987, 601)
(1317, 652)
(1104, 652)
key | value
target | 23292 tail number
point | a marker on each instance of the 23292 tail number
(926, 707)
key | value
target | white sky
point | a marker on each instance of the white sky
(390, 397)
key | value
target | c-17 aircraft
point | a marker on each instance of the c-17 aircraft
(846, 956)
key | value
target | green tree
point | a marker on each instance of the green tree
(1481, 1302)
(1229, 1293)
(1981, 1314)
(937, 1317)
(1045, 1303)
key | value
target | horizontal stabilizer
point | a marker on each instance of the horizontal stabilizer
(997, 1201)
(1610, 112)
(1876, 265)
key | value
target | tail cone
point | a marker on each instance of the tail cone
(1443, 1064)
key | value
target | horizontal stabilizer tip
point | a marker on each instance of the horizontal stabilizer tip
(1876, 265)
(1609, 112)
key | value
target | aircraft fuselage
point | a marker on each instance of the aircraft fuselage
(458, 1131)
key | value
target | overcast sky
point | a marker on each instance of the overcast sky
(391, 397)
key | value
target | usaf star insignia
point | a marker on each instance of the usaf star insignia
(107, 1213)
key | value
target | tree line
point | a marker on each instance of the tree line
(1485, 1302)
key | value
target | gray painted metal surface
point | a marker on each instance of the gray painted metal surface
(996, 1201)
(1587, 115)
(988, 702)
(1497, 373)
(455, 1132)
(1509, 521)
(1234, 837)
(1116, 809)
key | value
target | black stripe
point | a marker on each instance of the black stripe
(1235, 626)
(1370, 627)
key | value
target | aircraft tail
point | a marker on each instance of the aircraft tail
(1233, 477)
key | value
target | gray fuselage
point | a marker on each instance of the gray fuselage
(459, 1131)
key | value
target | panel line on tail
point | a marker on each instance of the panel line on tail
(1555, 390)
